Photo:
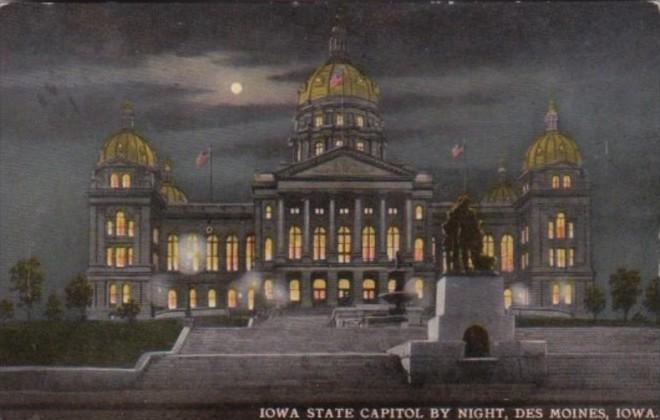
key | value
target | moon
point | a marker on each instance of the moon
(236, 88)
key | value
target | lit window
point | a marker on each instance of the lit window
(344, 245)
(114, 181)
(251, 294)
(340, 120)
(109, 257)
(131, 228)
(269, 212)
(571, 230)
(419, 288)
(419, 250)
(268, 249)
(319, 211)
(172, 253)
(318, 148)
(560, 255)
(368, 210)
(343, 290)
(339, 143)
(419, 213)
(295, 243)
(551, 230)
(506, 253)
(319, 290)
(551, 257)
(433, 248)
(571, 257)
(194, 254)
(109, 228)
(319, 244)
(368, 244)
(556, 295)
(359, 145)
(391, 285)
(344, 210)
(114, 298)
(120, 222)
(567, 182)
(508, 298)
(359, 121)
(368, 290)
(294, 291)
(232, 299)
(318, 121)
(568, 294)
(171, 299)
(212, 298)
(392, 242)
(126, 181)
(561, 226)
(488, 246)
(555, 182)
(126, 293)
(155, 236)
(129, 253)
(294, 210)
(268, 290)
(249, 252)
(212, 254)
(120, 257)
(392, 211)
(232, 253)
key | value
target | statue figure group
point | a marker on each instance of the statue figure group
(463, 239)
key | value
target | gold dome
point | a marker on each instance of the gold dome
(504, 192)
(172, 194)
(129, 145)
(338, 78)
(553, 146)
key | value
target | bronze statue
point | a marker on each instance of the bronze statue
(463, 239)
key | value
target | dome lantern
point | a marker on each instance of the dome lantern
(128, 115)
(551, 117)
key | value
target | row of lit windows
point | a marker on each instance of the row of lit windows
(340, 120)
(559, 228)
(506, 250)
(563, 293)
(118, 180)
(119, 256)
(120, 226)
(211, 299)
(561, 257)
(419, 211)
(564, 182)
(114, 293)
(192, 248)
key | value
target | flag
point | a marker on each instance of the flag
(337, 78)
(203, 158)
(457, 150)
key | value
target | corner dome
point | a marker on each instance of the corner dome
(552, 147)
(503, 192)
(172, 194)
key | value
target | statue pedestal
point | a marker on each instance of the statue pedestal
(471, 338)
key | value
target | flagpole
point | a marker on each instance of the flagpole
(210, 174)
(465, 169)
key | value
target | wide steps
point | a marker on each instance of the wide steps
(595, 339)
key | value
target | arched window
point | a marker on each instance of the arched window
(318, 148)
(368, 244)
(318, 120)
(344, 245)
(319, 290)
(171, 299)
(555, 182)
(319, 244)
(556, 295)
(391, 285)
(251, 302)
(249, 252)
(359, 145)
(110, 228)
(109, 257)
(211, 298)
(392, 242)
(567, 182)
(269, 212)
(193, 298)
(268, 249)
(232, 253)
(506, 253)
(419, 250)
(508, 298)
(232, 299)
(560, 256)
(488, 246)
(126, 293)
(120, 222)
(359, 120)
(295, 243)
(344, 291)
(419, 288)
(131, 228)
(126, 181)
(294, 291)
(268, 290)
(419, 212)
(120, 257)
(114, 298)
(212, 255)
(114, 180)
(368, 290)
(193, 248)
(561, 225)
(172, 253)
(568, 294)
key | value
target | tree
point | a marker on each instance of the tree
(27, 279)
(129, 310)
(53, 307)
(79, 295)
(625, 287)
(594, 300)
(652, 298)
(6, 310)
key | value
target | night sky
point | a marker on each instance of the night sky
(472, 72)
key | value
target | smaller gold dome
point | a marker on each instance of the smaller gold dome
(172, 194)
(500, 193)
(338, 78)
(129, 145)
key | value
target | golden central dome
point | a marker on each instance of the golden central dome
(338, 78)
(129, 145)
(552, 147)
(172, 194)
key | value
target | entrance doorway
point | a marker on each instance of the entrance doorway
(476, 342)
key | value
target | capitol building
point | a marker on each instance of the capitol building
(338, 225)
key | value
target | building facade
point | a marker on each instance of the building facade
(338, 225)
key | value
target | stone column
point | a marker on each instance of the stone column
(100, 239)
(306, 233)
(382, 230)
(143, 237)
(306, 290)
(280, 228)
(332, 232)
(408, 216)
(358, 278)
(332, 288)
(258, 235)
(93, 240)
(383, 278)
(357, 231)
(428, 226)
